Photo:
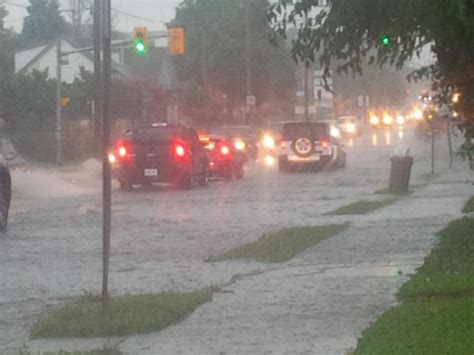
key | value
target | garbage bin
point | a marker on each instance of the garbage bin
(400, 174)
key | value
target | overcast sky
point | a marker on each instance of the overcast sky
(154, 12)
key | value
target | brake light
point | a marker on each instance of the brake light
(324, 144)
(225, 150)
(123, 150)
(179, 151)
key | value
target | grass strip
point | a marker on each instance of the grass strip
(436, 313)
(449, 269)
(469, 207)
(283, 245)
(361, 207)
(63, 352)
(439, 326)
(127, 315)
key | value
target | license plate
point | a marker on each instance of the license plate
(314, 157)
(151, 172)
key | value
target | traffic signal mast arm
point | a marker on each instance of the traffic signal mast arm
(115, 44)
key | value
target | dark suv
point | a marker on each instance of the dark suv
(160, 153)
(307, 144)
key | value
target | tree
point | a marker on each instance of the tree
(215, 59)
(44, 21)
(389, 32)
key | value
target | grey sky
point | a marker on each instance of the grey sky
(160, 11)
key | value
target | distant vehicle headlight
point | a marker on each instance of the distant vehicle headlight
(418, 114)
(400, 120)
(335, 132)
(239, 144)
(374, 120)
(387, 120)
(268, 141)
(351, 128)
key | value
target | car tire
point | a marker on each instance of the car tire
(283, 165)
(186, 182)
(204, 177)
(229, 174)
(125, 185)
(3, 208)
(240, 173)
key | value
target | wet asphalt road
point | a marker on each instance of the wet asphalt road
(161, 238)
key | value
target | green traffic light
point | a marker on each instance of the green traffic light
(386, 41)
(139, 47)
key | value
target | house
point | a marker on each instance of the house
(44, 57)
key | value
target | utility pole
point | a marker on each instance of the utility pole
(306, 92)
(59, 148)
(205, 76)
(248, 63)
(106, 130)
(97, 77)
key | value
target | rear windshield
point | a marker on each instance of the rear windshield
(302, 129)
(156, 134)
(236, 131)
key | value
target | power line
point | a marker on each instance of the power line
(138, 17)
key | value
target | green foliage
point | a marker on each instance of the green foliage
(127, 315)
(349, 32)
(216, 34)
(43, 22)
(283, 245)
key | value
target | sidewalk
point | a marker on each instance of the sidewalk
(319, 302)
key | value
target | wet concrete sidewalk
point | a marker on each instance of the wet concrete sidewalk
(319, 302)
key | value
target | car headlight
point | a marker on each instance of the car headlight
(239, 144)
(268, 142)
(351, 128)
(374, 120)
(387, 120)
(400, 120)
(335, 132)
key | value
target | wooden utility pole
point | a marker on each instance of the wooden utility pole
(106, 145)
(59, 109)
(97, 77)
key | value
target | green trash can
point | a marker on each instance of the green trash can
(400, 174)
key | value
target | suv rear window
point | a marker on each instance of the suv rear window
(156, 134)
(292, 131)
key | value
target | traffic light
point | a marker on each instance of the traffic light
(385, 41)
(140, 41)
(176, 42)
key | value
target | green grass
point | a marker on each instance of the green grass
(436, 314)
(362, 207)
(127, 315)
(440, 326)
(450, 266)
(283, 245)
(469, 207)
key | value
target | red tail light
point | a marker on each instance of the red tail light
(179, 150)
(123, 149)
(325, 143)
(225, 150)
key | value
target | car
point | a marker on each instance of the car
(160, 153)
(349, 126)
(243, 138)
(304, 144)
(9, 153)
(224, 160)
(384, 119)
